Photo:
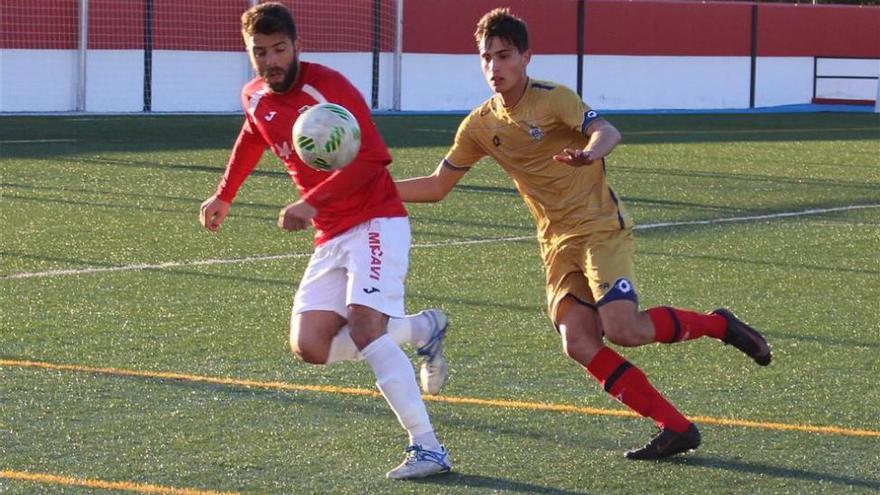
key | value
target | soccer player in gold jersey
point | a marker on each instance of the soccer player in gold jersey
(553, 146)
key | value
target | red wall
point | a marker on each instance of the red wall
(818, 30)
(38, 24)
(612, 27)
(671, 28)
(647, 27)
(210, 25)
(447, 26)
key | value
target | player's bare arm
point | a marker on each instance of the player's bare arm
(212, 213)
(431, 188)
(296, 216)
(604, 137)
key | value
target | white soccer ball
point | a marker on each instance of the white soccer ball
(326, 137)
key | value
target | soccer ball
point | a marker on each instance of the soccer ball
(326, 137)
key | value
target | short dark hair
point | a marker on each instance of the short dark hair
(268, 18)
(500, 23)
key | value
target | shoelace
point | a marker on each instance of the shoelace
(429, 348)
(415, 453)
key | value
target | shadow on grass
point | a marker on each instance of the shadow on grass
(749, 178)
(192, 210)
(263, 169)
(190, 206)
(495, 484)
(290, 284)
(771, 264)
(190, 200)
(434, 300)
(764, 469)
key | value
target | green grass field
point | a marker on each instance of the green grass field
(141, 354)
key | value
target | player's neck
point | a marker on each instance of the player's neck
(510, 98)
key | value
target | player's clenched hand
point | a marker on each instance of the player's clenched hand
(576, 158)
(212, 213)
(296, 216)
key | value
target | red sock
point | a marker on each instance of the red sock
(677, 325)
(630, 386)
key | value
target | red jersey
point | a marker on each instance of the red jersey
(344, 198)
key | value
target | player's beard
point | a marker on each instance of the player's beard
(289, 77)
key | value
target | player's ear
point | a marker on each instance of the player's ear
(297, 47)
(527, 56)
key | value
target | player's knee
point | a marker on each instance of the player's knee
(310, 355)
(581, 343)
(365, 335)
(576, 351)
(307, 351)
(365, 325)
(618, 310)
(624, 335)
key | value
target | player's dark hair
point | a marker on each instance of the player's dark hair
(268, 18)
(500, 23)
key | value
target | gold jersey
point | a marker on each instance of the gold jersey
(564, 200)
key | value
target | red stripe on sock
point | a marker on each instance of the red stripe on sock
(633, 389)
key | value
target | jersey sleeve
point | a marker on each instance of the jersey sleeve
(245, 155)
(571, 110)
(370, 160)
(465, 150)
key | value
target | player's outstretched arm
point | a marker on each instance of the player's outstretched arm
(431, 188)
(212, 213)
(603, 139)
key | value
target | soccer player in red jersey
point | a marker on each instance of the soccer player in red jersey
(553, 146)
(350, 301)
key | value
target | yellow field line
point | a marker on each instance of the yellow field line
(105, 485)
(503, 403)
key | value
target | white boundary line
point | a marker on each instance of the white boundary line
(37, 141)
(177, 264)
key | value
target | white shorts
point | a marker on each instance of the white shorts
(365, 265)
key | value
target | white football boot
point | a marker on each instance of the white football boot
(420, 462)
(434, 369)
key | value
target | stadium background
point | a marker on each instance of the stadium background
(176, 56)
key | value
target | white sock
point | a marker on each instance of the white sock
(342, 348)
(411, 329)
(397, 382)
(426, 440)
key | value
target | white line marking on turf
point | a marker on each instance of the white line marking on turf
(769, 216)
(41, 141)
(650, 226)
(158, 266)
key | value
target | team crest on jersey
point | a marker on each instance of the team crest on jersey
(536, 132)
